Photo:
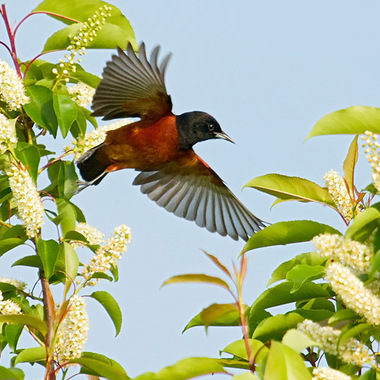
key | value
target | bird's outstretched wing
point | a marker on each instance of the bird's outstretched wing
(132, 86)
(190, 189)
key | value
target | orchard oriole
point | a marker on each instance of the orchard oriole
(159, 146)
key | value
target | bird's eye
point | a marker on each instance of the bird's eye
(211, 127)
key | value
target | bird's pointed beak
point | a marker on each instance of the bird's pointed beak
(224, 136)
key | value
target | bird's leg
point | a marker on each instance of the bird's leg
(83, 184)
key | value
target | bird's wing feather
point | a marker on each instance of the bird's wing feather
(132, 86)
(192, 190)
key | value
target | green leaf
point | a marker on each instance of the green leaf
(285, 364)
(189, 368)
(101, 365)
(13, 332)
(83, 76)
(245, 376)
(308, 258)
(216, 315)
(353, 120)
(196, 278)
(342, 315)
(289, 232)
(48, 252)
(29, 261)
(63, 177)
(31, 355)
(280, 295)
(67, 215)
(275, 327)
(75, 236)
(350, 163)
(7, 244)
(297, 340)
(66, 110)
(27, 320)
(239, 349)
(67, 263)
(291, 188)
(355, 331)
(364, 224)
(29, 155)
(303, 273)
(117, 30)
(40, 108)
(11, 374)
(111, 306)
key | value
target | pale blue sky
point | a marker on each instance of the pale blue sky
(267, 71)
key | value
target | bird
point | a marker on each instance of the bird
(160, 146)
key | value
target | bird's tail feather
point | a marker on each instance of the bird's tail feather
(91, 168)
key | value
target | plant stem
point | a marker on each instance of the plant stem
(11, 36)
(49, 316)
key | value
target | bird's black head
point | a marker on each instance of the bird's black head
(197, 126)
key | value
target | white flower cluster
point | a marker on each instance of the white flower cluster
(7, 134)
(352, 351)
(353, 292)
(372, 152)
(8, 307)
(356, 255)
(95, 137)
(72, 332)
(339, 193)
(82, 94)
(12, 90)
(20, 285)
(92, 234)
(29, 204)
(326, 373)
(107, 255)
(80, 41)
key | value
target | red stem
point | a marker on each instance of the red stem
(11, 36)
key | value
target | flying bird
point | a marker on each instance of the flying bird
(160, 146)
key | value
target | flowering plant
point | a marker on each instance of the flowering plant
(40, 98)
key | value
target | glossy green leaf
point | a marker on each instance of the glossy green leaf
(353, 120)
(40, 108)
(13, 332)
(31, 355)
(183, 278)
(67, 263)
(297, 340)
(66, 111)
(291, 188)
(29, 155)
(48, 252)
(289, 232)
(285, 364)
(275, 327)
(350, 163)
(101, 365)
(355, 332)
(364, 224)
(308, 258)
(111, 306)
(63, 178)
(7, 244)
(109, 37)
(375, 266)
(66, 215)
(189, 368)
(280, 295)
(75, 236)
(302, 273)
(245, 376)
(85, 77)
(27, 320)
(238, 349)
(216, 315)
(29, 261)
(342, 316)
(11, 374)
